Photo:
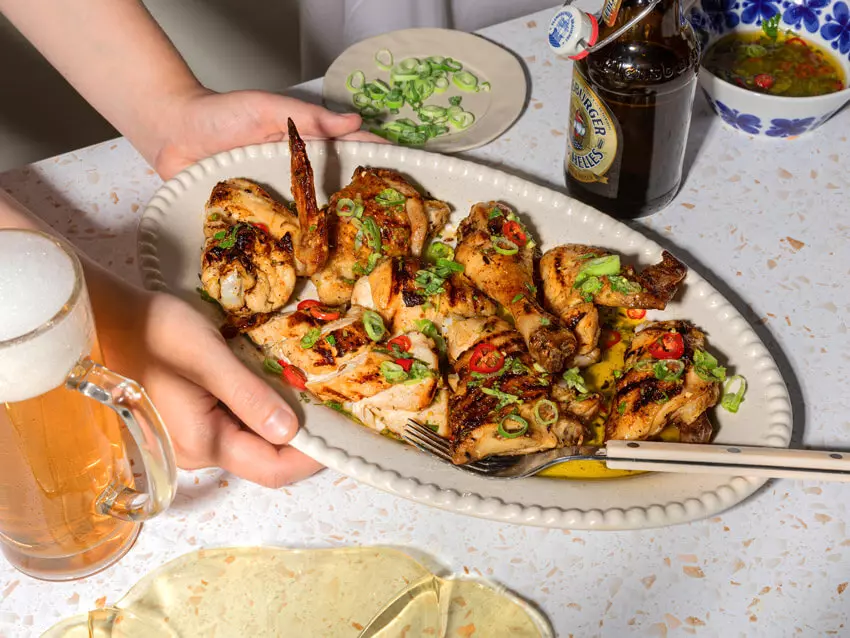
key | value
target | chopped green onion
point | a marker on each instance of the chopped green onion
(441, 85)
(206, 296)
(707, 367)
(547, 406)
(622, 285)
(439, 250)
(361, 100)
(608, 265)
(668, 370)
(484, 87)
(270, 365)
(408, 64)
(462, 120)
(384, 59)
(373, 324)
(309, 340)
(355, 81)
(429, 329)
(465, 81)
(731, 401)
(518, 297)
(418, 371)
(345, 207)
(574, 380)
(503, 245)
(373, 234)
(520, 427)
(504, 397)
(368, 112)
(390, 197)
(331, 340)
(393, 372)
(450, 64)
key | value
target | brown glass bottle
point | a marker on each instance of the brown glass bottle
(631, 109)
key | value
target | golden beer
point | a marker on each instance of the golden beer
(68, 506)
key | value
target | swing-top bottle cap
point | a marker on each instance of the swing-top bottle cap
(572, 32)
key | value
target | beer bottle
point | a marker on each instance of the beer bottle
(631, 98)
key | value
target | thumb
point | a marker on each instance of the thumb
(316, 121)
(249, 397)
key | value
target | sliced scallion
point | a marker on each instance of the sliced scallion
(374, 325)
(731, 401)
(503, 245)
(384, 59)
(512, 426)
(545, 412)
(355, 81)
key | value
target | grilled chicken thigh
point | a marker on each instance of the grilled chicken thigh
(497, 255)
(378, 214)
(511, 410)
(645, 404)
(575, 299)
(392, 291)
(248, 262)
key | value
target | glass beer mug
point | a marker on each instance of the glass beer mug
(68, 503)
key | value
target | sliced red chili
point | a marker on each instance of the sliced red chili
(513, 231)
(764, 80)
(486, 359)
(402, 342)
(293, 376)
(635, 313)
(262, 227)
(805, 70)
(670, 345)
(610, 338)
(405, 364)
(797, 41)
(315, 308)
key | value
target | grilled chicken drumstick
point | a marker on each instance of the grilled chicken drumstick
(497, 255)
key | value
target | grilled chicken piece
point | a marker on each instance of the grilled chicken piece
(478, 404)
(391, 290)
(508, 279)
(245, 267)
(343, 366)
(312, 248)
(559, 271)
(644, 405)
(403, 228)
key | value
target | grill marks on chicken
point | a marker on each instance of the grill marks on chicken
(479, 403)
(508, 279)
(243, 267)
(391, 290)
(311, 251)
(404, 228)
(644, 405)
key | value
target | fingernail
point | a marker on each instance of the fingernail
(280, 425)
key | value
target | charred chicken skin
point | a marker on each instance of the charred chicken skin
(500, 403)
(497, 254)
(312, 249)
(662, 385)
(379, 214)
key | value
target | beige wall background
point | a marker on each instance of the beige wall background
(230, 44)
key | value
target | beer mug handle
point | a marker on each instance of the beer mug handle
(130, 401)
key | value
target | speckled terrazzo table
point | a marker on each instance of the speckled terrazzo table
(767, 222)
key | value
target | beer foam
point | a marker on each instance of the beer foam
(37, 279)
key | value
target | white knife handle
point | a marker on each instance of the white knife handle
(738, 460)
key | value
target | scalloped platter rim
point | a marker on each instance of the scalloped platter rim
(169, 245)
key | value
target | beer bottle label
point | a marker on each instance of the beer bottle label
(592, 137)
(610, 10)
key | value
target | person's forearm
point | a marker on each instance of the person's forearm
(116, 56)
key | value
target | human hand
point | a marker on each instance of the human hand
(205, 123)
(183, 363)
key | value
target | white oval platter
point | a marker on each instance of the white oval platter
(170, 242)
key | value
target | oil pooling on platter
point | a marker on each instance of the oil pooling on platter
(631, 94)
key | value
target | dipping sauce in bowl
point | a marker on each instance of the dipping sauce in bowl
(785, 64)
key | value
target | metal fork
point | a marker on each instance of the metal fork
(653, 456)
(501, 467)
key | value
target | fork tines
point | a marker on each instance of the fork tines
(429, 441)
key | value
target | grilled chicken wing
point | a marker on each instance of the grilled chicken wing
(480, 406)
(560, 270)
(312, 248)
(389, 218)
(248, 263)
(508, 279)
(392, 291)
(644, 405)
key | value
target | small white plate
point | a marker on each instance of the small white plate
(170, 243)
(495, 110)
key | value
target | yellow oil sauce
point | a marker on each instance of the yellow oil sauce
(600, 378)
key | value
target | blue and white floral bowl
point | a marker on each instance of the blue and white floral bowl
(824, 22)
